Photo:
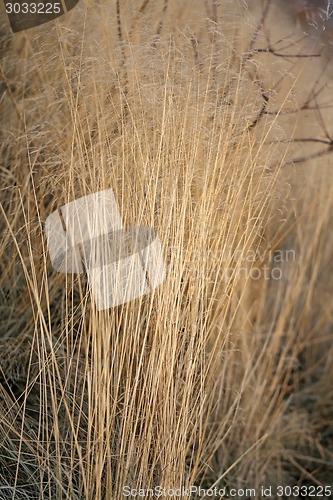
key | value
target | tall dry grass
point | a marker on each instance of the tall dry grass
(217, 377)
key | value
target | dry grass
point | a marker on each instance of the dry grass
(201, 134)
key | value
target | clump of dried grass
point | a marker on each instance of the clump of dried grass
(214, 376)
